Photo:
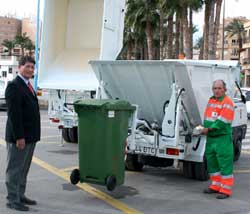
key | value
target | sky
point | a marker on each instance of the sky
(26, 8)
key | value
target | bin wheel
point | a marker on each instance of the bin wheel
(111, 182)
(73, 135)
(237, 149)
(75, 176)
(65, 135)
(132, 163)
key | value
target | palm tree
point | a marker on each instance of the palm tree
(21, 39)
(9, 44)
(143, 14)
(188, 6)
(211, 27)
(236, 27)
(216, 26)
(29, 46)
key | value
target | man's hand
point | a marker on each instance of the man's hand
(20, 143)
(205, 131)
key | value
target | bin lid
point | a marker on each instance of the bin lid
(108, 104)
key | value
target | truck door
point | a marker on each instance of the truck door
(112, 31)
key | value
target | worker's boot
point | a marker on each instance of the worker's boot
(222, 196)
(209, 191)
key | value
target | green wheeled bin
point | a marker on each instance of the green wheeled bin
(102, 132)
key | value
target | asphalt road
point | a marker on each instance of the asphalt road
(155, 190)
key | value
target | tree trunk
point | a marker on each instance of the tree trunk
(129, 50)
(206, 29)
(177, 36)
(217, 24)
(187, 48)
(149, 33)
(136, 49)
(170, 37)
(181, 51)
(191, 32)
(22, 51)
(162, 39)
(211, 54)
(201, 51)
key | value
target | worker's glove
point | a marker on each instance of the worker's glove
(198, 130)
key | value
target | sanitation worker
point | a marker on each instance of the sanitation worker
(218, 118)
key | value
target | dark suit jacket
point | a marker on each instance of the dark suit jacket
(23, 113)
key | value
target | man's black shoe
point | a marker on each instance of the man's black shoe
(209, 191)
(28, 201)
(17, 206)
(222, 196)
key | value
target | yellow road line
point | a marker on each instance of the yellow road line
(245, 152)
(242, 171)
(69, 168)
(87, 188)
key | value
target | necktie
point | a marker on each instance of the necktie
(31, 88)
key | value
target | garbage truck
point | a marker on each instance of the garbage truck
(170, 98)
(73, 32)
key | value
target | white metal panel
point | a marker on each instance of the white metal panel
(148, 84)
(71, 36)
(112, 36)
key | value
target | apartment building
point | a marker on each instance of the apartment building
(8, 67)
(231, 44)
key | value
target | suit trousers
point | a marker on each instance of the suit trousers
(18, 165)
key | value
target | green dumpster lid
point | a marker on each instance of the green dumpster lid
(108, 104)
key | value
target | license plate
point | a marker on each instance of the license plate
(145, 150)
(67, 123)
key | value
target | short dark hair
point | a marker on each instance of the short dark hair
(24, 59)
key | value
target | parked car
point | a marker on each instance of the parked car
(246, 93)
(3, 85)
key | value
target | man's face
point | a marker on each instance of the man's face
(219, 89)
(27, 70)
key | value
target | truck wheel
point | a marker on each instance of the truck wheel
(65, 135)
(132, 164)
(237, 149)
(201, 170)
(188, 169)
(75, 176)
(73, 135)
(111, 183)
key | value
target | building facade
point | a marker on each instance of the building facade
(245, 55)
(8, 67)
(231, 44)
(9, 28)
(29, 27)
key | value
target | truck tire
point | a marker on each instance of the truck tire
(237, 149)
(200, 169)
(65, 135)
(188, 169)
(132, 164)
(73, 135)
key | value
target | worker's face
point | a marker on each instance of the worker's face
(219, 89)
(27, 70)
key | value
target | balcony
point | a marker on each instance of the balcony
(246, 42)
(246, 61)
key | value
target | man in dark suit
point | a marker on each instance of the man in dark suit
(22, 133)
